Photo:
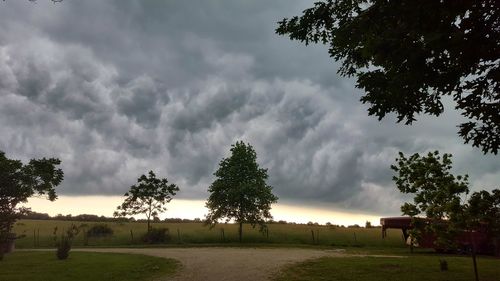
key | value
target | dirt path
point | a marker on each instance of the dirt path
(220, 264)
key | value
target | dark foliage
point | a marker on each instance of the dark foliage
(99, 230)
(19, 181)
(157, 236)
(407, 55)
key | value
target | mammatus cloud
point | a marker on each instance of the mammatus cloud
(117, 88)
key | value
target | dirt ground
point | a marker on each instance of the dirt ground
(218, 264)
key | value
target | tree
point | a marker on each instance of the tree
(19, 181)
(440, 196)
(149, 196)
(407, 55)
(484, 208)
(240, 191)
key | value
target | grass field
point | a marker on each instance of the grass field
(39, 234)
(422, 265)
(42, 266)
(413, 267)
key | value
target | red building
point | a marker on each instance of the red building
(481, 238)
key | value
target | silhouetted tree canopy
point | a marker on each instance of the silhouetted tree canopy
(240, 191)
(18, 182)
(407, 55)
(149, 197)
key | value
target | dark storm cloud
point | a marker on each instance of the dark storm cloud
(116, 88)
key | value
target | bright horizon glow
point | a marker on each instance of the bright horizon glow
(190, 209)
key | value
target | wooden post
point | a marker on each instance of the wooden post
(474, 263)
(222, 235)
(312, 234)
(355, 238)
(179, 235)
(38, 237)
(131, 237)
(85, 237)
(34, 238)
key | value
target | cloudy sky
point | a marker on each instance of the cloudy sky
(117, 88)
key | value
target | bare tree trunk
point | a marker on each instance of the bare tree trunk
(473, 244)
(149, 224)
(475, 263)
(240, 232)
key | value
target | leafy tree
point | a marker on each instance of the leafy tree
(149, 196)
(437, 193)
(484, 208)
(18, 182)
(240, 191)
(440, 196)
(407, 55)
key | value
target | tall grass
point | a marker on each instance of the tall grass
(39, 233)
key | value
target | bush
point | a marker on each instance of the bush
(443, 265)
(63, 248)
(63, 244)
(156, 236)
(99, 230)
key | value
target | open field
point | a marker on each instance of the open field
(44, 266)
(409, 268)
(334, 253)
(39, 234)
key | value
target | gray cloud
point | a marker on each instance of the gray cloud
(117, 88)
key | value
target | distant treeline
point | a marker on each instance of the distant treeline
(95, 218)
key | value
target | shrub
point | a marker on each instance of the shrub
(157, 236)
(63, 248)
(443, 265)
(99, 230)
(63, 244)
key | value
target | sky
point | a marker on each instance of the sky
(117, 88)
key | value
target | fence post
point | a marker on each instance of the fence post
(312, 234)
(223, 236)
(179, 236)
(131, 237)
(85, 237)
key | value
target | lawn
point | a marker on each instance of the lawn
(45, 266)
(413, 267)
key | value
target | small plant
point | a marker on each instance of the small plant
(157, 236)
(63, 244)
(443, 265)
(63, 248)
(99, 230)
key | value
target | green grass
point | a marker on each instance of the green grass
(45, 266)
(414, 267)
(197, 233)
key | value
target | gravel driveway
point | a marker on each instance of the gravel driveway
(217, 264)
